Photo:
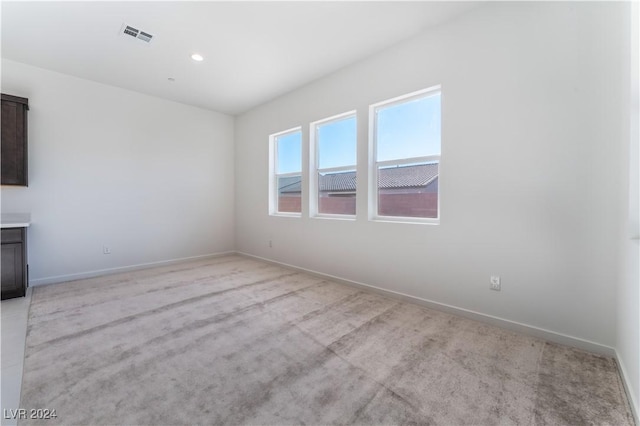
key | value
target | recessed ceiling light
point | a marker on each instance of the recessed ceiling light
(197, 57)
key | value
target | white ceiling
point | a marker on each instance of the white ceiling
(254, 51)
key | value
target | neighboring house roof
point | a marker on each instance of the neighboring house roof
(389, 178)
(289, 184)
(345, 181)
(407, 176)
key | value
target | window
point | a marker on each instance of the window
(406, 157)
(333, 165)
(286, 173)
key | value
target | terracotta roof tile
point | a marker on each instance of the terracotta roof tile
(345, 181)
(407, 176)
(389, 178)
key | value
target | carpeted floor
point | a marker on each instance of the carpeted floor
(232, 340)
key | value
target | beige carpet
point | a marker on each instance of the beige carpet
(232, 340)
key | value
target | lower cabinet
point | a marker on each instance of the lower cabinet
(14, 262)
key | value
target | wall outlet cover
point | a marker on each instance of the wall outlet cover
(495, 283)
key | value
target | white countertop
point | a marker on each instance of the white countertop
(15, 220)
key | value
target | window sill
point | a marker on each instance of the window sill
(334, 217)
(281, 214)
(406, 220)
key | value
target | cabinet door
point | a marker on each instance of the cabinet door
(14, 143)
(12, 270)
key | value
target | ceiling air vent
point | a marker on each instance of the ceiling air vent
(136, 33)
(145, 36)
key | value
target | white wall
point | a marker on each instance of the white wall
(628, 308)
(150, 178)
(533, 98)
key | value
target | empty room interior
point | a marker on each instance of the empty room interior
(283, 213)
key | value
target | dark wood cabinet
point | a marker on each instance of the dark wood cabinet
(14, 140)
(14, 262)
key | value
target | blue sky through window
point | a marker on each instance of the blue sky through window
(409, 129)
(289, 148)
(337, 143)
(404, 130)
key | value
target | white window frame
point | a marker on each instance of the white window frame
(273, 175)
(314, 170)
(374, 165)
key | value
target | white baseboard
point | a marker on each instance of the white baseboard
(530, 330)
(631, 396)
(109, 271)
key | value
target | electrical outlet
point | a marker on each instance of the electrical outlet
(106, 250)
(495, 283)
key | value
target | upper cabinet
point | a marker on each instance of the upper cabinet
(14, 140)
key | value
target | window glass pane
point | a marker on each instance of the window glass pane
(289, 193)
(337, 143)
(410, 129)
(337, 193)
(289, 149)
(408, 190)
